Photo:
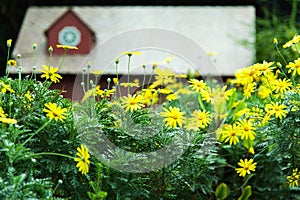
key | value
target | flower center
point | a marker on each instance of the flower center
(175, 117)
(55, 113)
(132, 102)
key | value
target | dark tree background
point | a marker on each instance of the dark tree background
(12, 12)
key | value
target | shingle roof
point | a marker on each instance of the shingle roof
(180, 28)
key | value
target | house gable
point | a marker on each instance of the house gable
(70, 30)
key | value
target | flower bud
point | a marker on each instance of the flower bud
(34, 45)
(89, 64)
(8, 42)
(50, 49)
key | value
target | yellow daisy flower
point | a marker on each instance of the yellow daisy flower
(2, 113)
(197, 85)
(294, 67)
(275, 109)
(247, 75)
(295, 40)
(163, 77)
(246, 167)
(82, 159)
(132, 103)
(247, 129)
(130, 53)
(129, 84)
(281, 86)
(28, 96)
(251, 150)
(104, 93)
(66, 47)
(12, 62)
(164, 91)
(201, 118)
(265, 67)
(249, 89)
(8, 120)
(5, 87)
(264, 92)
(173, 117)
(50, 73)
(150, 96)
(294, 179)
(172, 97)
(54, 111)
(230, 133)
(97, 72)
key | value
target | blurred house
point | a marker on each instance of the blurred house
(190, 35)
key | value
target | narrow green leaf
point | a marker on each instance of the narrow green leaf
(247, 192)
(222, 191)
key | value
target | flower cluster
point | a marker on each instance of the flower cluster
(234, 129)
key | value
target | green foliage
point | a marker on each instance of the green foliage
(222, 191)
(278, 20)
(246, 193)
(17, 174)
(25, 171)
(97, 194)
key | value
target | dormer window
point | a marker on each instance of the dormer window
(69, 35)
(70, 30)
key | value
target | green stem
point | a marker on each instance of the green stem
(99, 178)
(128, 75)
(150, 78)
(144, 79)
(57, 185)
(62, 60)
(118, 85)
(20, 77)
(201, 102)
(7, 58)
(108, 85)
(117, 72)
(53, 154)
(35, 133)
(33, 74)
(50, 58)
(229, 165)
(96, 79)
(293, 15)
(280, 54)
(88, 78)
